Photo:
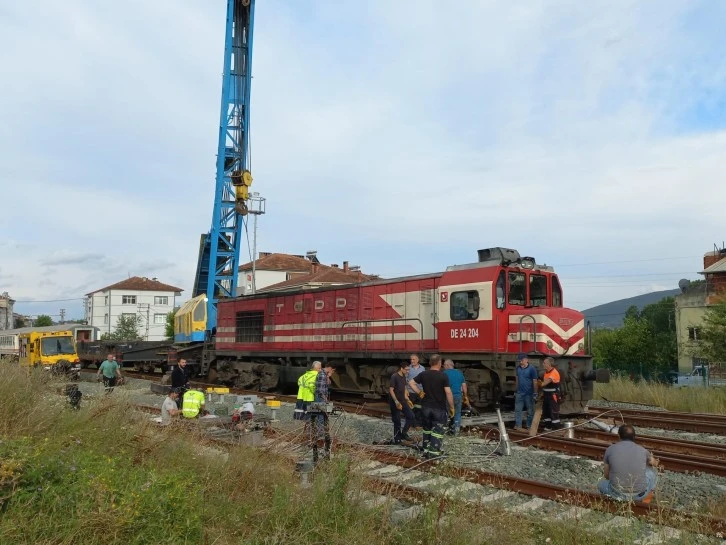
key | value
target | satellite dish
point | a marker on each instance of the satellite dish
(683, 284)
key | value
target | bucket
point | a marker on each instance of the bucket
(569, 428)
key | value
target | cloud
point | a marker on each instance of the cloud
(382, 133)
(73, 258)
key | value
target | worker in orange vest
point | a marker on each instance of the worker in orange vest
(551, 394)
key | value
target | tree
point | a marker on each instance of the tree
(19, 322)
(713, 333)
(645, 345)
(127, 329)
(43, 320)
(170, 323)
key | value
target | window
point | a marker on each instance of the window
(159, 318)
(105, 318)
(248, 327)
(128, 300)
(464, 305)
(537, 290)
(161, 300)
(105, 301)
(694, 333)
(200, 311)
(556, 292)
(501, 290)
(55, 346)
(517, 289)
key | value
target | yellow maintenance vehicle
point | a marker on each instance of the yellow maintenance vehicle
(52, 350)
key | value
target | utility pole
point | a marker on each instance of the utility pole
(256, 208)
(62, 315)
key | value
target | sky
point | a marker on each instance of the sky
(399, 136)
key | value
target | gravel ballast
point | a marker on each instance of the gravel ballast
(688, 491)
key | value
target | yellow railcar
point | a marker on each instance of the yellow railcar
(190, 321)
(48, 349)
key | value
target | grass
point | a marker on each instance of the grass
(673, 398)
(103, 476)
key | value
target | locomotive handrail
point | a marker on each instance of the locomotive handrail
(393, 333)
(534, 332)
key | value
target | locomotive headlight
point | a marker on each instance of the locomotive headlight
(581, 346)
(550, 344)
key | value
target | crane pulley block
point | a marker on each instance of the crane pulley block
(241, 178)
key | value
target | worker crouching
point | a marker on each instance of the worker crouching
(193, 404)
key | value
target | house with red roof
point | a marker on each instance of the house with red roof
(146, 298)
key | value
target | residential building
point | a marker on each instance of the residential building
(691, 308)
(146, 298)
(273, 268)
(321, 276)
(7, 320)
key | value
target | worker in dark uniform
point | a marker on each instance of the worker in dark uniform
(180, 381)
(399, 402)
(551, 393)
(433, 387)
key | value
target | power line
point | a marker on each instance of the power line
(627, 261)
(53, 300)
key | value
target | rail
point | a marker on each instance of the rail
(694, 423)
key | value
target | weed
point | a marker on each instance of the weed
(673, 398)
(105, 475)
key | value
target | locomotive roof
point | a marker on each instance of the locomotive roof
(498, 263)
(365, 283)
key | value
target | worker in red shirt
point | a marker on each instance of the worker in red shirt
(551, 393)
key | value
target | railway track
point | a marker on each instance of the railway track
(690, 422)
(406, 478)
(680, 446)
(595, 449)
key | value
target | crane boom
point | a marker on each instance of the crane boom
(220, 248)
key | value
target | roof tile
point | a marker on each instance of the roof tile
(138, 283)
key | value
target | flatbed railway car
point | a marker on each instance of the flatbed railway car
(480, 314)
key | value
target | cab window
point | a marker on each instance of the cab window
(501, 290)
(537, 290)
(465, 305)
(556, 292)
(517, 289)
(200, 311)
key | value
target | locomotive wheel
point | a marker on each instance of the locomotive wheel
(212, 376)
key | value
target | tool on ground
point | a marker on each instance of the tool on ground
(505, 446)
(536, 419)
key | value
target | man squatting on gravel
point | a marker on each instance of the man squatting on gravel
(629, 469)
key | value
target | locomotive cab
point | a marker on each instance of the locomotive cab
(503, 305)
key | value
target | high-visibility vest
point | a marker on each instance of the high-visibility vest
(306, 386)
(554, 376)
(192, 403)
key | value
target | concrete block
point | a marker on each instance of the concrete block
(531, 505)
(613, 524)
(158, 388)
(500, 495)
(433, 483)
(384, 470)
(404, 515)
(662, 535)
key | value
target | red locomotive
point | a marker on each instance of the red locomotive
(480, 314)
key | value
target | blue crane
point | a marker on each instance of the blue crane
(219, 249)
